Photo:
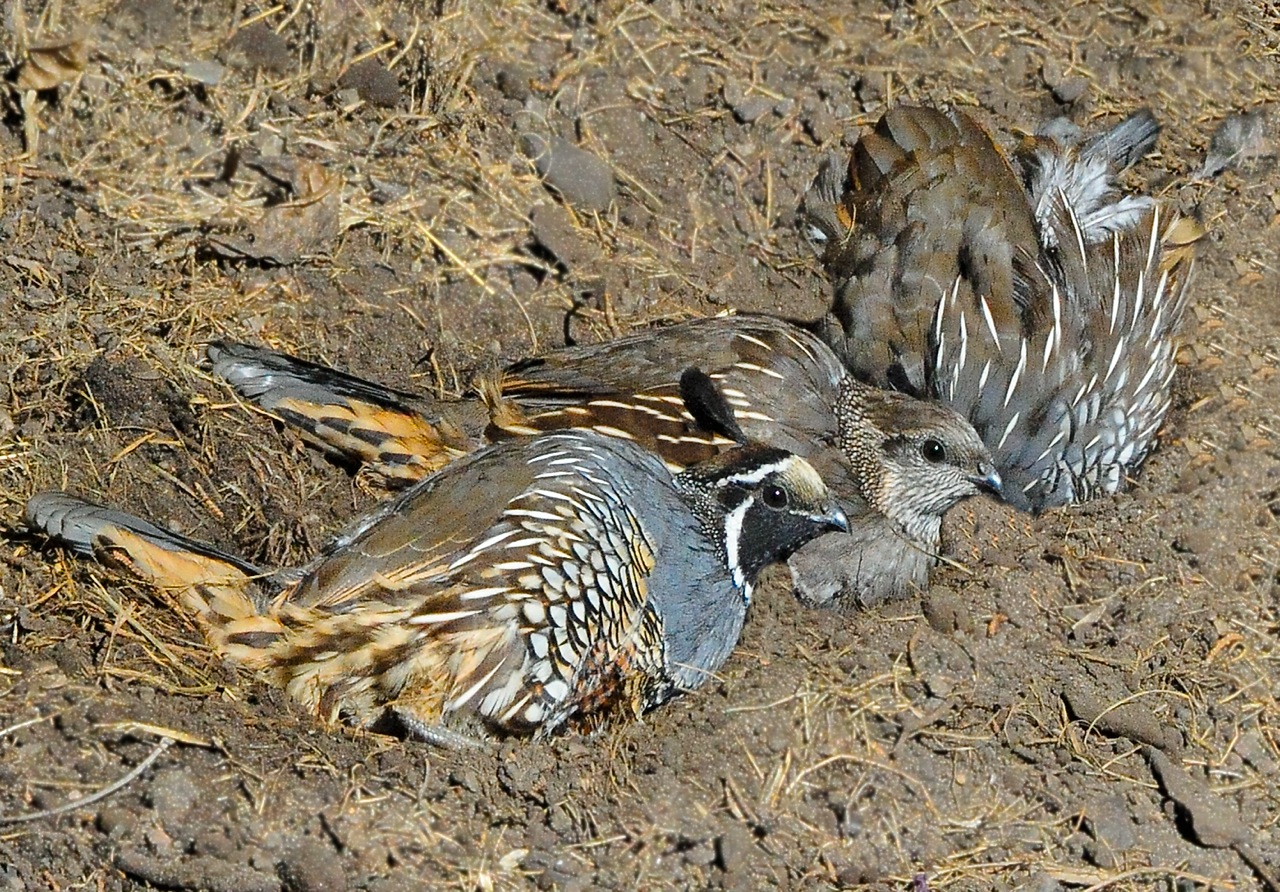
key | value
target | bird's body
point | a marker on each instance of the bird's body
(536, 583)
(786, 389)
(1026, 293)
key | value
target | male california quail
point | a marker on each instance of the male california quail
(1030, 296)
(897, 464)
(535, 583)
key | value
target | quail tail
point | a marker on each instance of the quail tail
(351, 419)
(1031, 293)
(1073, 186)
(1127, 143)
(218, 589)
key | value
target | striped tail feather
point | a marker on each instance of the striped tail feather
(351, 419)
(1072, 408)
(1073, 187)
(219, 589)
(328, 660)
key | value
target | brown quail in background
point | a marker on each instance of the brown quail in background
(897, 464)
(536, 583)
(1030, 295)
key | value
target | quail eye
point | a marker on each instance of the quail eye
(775, 497)
(933, 452)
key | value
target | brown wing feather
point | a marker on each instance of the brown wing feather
(490, 590)
(781, 382)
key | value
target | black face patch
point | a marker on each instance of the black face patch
(770, 535)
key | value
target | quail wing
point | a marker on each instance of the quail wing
(781, 381)
(515, 584)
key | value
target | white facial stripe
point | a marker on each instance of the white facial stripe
(759, 473)
(732, 538)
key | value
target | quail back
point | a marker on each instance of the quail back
(1026, 292)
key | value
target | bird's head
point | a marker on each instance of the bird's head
(762, 504)
(915, 459)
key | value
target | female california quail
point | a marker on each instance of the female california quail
(1032, 297)
(532, 584)
(897, 464)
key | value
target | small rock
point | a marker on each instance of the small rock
(584, 180)
(1051, 72)
(946, 613)
(466, 778)
(872, 89)
(734, 848)
(553, 872)
(752, 108)
(513, 81)
(206, 71)
(1196, 541)
(1065, 90)
(268, 144)
(520, 776)
(38, 298)
(214, 841)
(173, 793)
(257, 46)
(1070, 90)
(820, 123)
(1041, 881)
(553, 229)
(385, 191)
(734, 92)
(1110, 822)
(560, 820)
(857, 868)
(697, 86)
(372, 82)
(160, 842)
(307, 865)
(10, 881)
(1254, 751)
(701, 854)
(115, 820)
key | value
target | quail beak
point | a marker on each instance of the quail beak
(987, 478)
(834, 519)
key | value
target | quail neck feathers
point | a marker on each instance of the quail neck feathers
(1029, 294)
(532, 584)
(897, 464)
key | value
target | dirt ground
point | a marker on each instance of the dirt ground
(1087, 700)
